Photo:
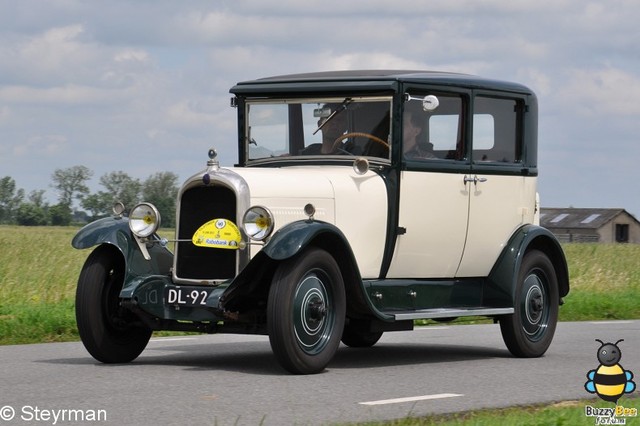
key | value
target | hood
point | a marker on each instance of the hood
(285, 191)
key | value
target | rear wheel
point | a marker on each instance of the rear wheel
(109, 332)
(306, 311)
(529, 330)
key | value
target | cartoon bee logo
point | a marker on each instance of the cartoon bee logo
(609, 381)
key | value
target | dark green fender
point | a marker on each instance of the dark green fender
(502, 279)
(289, 241)
(114, 231)
(294, 237)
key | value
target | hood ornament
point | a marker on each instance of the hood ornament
(213, 161)
(212, 165)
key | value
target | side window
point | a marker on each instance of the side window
(265, 134)
(496, 130)
(436, 134)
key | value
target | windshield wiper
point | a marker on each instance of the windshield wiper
(338, 110)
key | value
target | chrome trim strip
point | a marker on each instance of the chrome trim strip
(448, 313)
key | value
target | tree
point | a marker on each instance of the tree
(29, 214)
(70, 183)
(60, 215)
(119, 187)
(35, 211)
(10, 199)
(122, 187)
(161, 189)
(98, 204)
(36, 197)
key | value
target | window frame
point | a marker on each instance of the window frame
(525, 166)
(246, 133)
(443, 165)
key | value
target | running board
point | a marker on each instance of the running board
(450, 313)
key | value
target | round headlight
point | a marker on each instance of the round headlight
(144, 220)
(258, 223)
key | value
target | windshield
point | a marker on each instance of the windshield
(318, 127)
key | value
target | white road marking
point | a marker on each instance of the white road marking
(171, 339)
(610, 322)
(412, 399)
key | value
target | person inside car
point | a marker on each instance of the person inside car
(331, 131)
(414, 144)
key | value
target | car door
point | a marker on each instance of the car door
(502, 186)
(434, 197)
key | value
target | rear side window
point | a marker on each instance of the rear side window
(497, 130)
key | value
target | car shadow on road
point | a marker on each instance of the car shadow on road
(257, 357)
(389, 354)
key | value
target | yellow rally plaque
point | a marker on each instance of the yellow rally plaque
(218, 233)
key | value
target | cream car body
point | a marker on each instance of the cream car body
(356, 204)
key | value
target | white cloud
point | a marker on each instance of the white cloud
(52, 55)
(131, 55)
(601, 92)
(189, 113)
(92, 82)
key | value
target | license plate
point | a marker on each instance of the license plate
(187, 296)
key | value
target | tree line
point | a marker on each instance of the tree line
(18, 208)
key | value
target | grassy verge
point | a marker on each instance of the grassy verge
(565, 413)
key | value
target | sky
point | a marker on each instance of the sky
(143, 86)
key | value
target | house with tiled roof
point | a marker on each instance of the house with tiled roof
(591, 225)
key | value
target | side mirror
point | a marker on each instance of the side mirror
(429, 102)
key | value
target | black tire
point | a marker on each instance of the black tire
(106, 329)
(355, 338)
(306, 311)
(529, 330)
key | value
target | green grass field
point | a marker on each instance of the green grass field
(39, 270)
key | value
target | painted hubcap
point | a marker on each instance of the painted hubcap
(535, 314)
(313, 318)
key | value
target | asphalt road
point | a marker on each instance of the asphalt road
(234, 380)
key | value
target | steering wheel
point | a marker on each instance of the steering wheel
(359, 134)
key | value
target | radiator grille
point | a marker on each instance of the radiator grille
(198, 206)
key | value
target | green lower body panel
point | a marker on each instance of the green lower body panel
(393, 295)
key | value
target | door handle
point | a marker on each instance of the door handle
(475, 179)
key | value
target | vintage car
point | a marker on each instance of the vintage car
(361, 201)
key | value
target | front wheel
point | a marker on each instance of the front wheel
(529, 330)
(109, 332)
(306, 311)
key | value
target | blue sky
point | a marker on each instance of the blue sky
(142, 86)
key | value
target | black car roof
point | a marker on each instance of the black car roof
(375, 78)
